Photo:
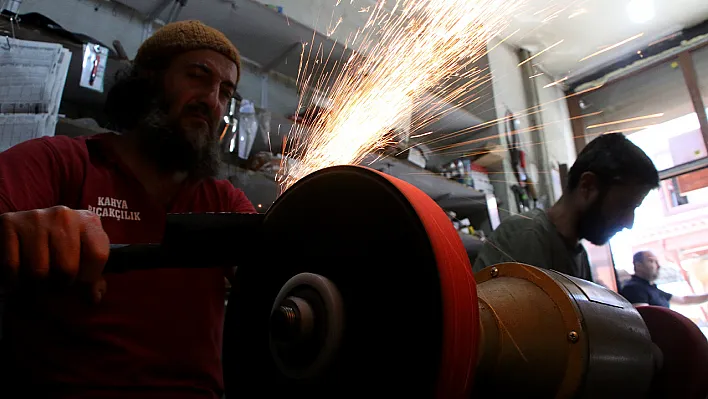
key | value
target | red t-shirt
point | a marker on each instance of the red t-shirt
(156, 333)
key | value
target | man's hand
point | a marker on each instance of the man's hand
(57, 242)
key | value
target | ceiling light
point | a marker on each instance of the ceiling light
(640, 11)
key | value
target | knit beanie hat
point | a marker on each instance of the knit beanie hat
(183, 36)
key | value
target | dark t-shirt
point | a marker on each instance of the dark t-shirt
(155, 332)
(638, 290)
(532, 239)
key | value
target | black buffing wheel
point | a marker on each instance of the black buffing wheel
(354, 300)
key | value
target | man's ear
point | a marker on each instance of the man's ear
(588, 188)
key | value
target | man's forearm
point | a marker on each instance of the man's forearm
(696, 299)
(690, 299)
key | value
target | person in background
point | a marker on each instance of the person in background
(641, 290)
(607, 182)
(71, 332)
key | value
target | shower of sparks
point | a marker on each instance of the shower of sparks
(552, 16)
(631, 129)
(559, 81)
(331, 30)
(540, 52)
(421, 135)
(441, 149)
(536, 75)
(420, 46)
(663, 39)
(503, 40)
(638, 118)
(614, 46)
(541, 11)
(529, 111)
(577, 13)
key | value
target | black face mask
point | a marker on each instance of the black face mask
(171, 147)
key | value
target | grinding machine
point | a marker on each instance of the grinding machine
(355, 284)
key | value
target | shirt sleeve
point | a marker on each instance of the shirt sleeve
(666, 295)
(233, 199)
(635, 294)
(31, 175)
(507, 244)
(240, 203)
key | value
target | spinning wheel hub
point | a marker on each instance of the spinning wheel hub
(284, 330)
(306, 324)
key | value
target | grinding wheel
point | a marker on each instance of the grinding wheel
(683, 370)
(372, 294)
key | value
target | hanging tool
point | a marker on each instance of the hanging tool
(515, 158)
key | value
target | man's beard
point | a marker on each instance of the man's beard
(174, 148)
(594, 226)
(655, 275)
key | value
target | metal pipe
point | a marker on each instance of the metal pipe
(264, 90)
(541, 154)
(639, 66)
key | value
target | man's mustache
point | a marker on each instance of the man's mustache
(201, 110)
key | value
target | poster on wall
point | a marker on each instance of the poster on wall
(93, 67)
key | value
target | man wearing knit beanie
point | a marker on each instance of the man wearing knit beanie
(72, 331)
(171, 101)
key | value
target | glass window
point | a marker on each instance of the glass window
(673, 142)
(654, 109)
(673, 224)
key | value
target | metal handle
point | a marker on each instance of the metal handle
(194, 240)
(124, 258)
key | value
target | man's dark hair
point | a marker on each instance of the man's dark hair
(615, 160)
(132, 96)
(638, 257)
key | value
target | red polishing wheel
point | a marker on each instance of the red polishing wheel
(684, 368)
(372, 295)
(459, 291)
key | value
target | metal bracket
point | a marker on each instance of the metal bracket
(14, 7)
